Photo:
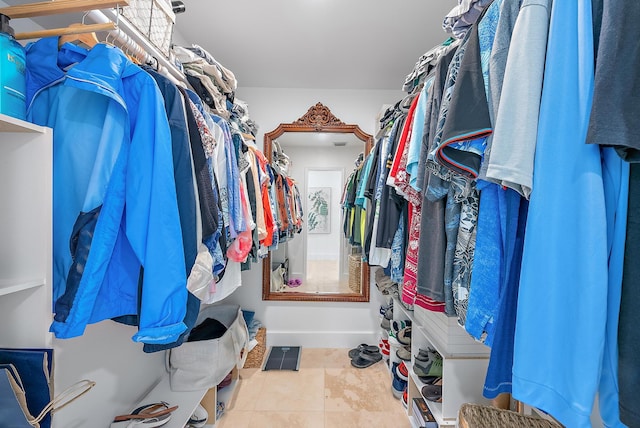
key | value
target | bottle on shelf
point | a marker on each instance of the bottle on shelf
(12, 72)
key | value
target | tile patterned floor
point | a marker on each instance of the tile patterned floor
(322, 277)
(327, 392)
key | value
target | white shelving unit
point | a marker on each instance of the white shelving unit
(187, 401)
(464, 368)
(25, 229)
(124, 375)
(225, 395)
(464, 364)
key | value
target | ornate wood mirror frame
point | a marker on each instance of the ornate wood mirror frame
(317, 119)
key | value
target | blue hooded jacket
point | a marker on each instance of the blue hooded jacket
(114, 197)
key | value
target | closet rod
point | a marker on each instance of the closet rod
(130, 36)
(30, 10)
(66, 31)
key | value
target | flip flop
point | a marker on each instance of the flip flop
(150, 422)
(363, 347)
(148, 414)
(433, 392)
(366, 359)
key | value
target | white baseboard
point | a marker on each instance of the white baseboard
(321, 339)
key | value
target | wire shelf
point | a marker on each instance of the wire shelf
(154, 19)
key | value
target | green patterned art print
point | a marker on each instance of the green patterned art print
(318, 220)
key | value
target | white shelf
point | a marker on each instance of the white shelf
(437, 345)
(413, 422)
(436, 408)
(225, 394)
(448, 337)
(12, 286)
(11, 124)
(187, 401)
(406, 314)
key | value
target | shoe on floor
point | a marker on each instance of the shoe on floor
(360, 348)
(425, 355)
(385, 324)
(433, 392)
(366, 359)
(402, 371)
(398, 386)
(433, 368)
(404, 336)
(404, 353)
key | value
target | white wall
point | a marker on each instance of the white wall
(311, 324)
(325, 246)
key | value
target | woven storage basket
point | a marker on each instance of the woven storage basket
(256, 355)
(355, 266)
(478, 416)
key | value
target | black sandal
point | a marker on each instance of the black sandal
(366, 359)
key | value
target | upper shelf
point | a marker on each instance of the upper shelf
(11, 124)
(30, 10)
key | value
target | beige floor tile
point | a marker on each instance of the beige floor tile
(287, 420)
(322, 358)
(366, 419)
(327, 392)
(358, 390)
(249, 389)
(292, 391)
(235, 419)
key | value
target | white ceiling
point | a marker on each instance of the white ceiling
(330, 44)
(322, 44)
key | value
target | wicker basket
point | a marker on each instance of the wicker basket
(256, 355)
(355, 267)
(478, 416)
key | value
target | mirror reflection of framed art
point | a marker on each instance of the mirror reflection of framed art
(319, 211)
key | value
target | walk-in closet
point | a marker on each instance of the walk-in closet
(319, 214)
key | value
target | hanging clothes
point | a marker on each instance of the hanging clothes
(561, 376)
(126, 170)
(498, 217)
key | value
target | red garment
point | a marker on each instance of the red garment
(269, 221)
(241, 246)
(404, 137)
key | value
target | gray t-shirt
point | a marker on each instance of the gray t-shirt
(497, 64)
(516, 124)
(615, 111)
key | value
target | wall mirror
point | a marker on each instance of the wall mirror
(320, 264)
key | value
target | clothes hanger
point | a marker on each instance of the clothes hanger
(448, 41)
(85, 39)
